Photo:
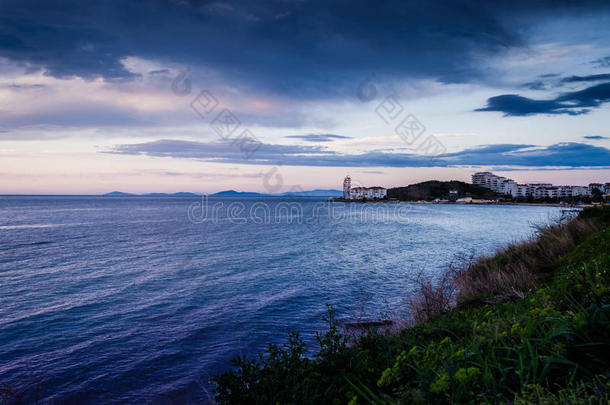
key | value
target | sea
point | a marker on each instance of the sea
(122, 300)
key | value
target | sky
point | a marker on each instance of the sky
(288, 95)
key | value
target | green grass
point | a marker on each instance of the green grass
(553, 346)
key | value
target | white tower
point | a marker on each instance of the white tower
(347, 185)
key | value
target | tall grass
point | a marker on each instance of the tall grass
(519, 267)
(509, 274)
(431, 299)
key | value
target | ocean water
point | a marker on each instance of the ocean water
(141, 300)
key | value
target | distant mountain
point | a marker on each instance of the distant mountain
(180, 194)
(233, 193)
(314, 193)
(184, 194)
(310, 193)
(429, 190)
(117, 194)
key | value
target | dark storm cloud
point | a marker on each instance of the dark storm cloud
(318, 137)
(570, 103)
(548, 81)
(304, 48)
(515, 105)
(595, 137)
(561, 154)
(590, 78)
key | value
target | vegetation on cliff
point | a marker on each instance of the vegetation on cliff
(429, 190)
(508, 341)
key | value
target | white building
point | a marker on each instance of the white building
(565, 191)
(347, 185)
(546, 192)
(578, 191)
(536, 185)
(523, 190)
(483, 179)
(508, 186)
(360, 193)
(498, 184)
(553, 192)
(503, 185)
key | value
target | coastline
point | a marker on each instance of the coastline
(536, 337)
(473, 202)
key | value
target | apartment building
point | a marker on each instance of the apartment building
(504, 185)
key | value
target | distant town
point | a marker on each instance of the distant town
(486, 187)
(538, 191)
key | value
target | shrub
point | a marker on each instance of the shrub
(431, 299)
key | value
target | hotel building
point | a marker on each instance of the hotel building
(361, 193)
(507, 186)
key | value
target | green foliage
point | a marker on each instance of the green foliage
(595, 392)
(280, 366)
(599, 213)
(430, 190)
(551, 347)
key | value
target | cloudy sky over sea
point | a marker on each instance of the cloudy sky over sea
(205, 96)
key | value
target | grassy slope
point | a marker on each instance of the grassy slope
(552, 347)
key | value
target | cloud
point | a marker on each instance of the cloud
(318, 137)
(541, 82)
(549, 81)
(92, 114)
(159, 72)
(589, 78)
(217, 151)
(14, 86)
(570, 103)
(200, 175)
(602, 62)
(515, 105)
(569, 154)
(561, 154)
(595, 137)
(307, 49)
(535, 85)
